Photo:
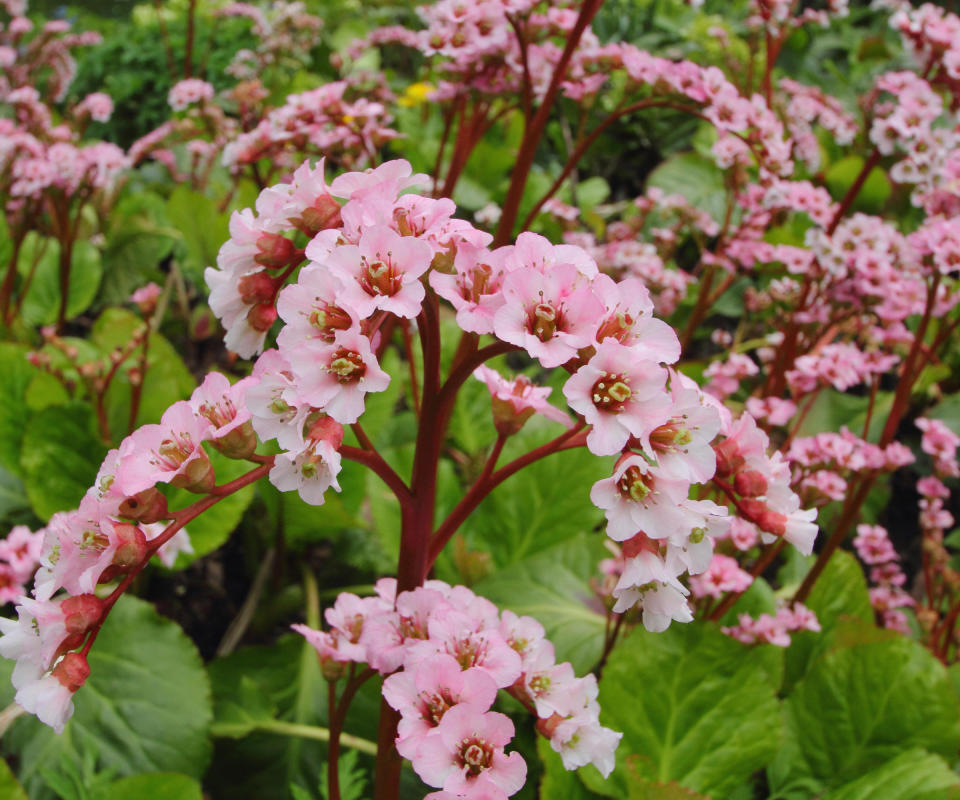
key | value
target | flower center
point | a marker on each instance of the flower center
(221, 413)
(173, 452)
(619, 326)
(611, 392)
(671, 437)
(635, 485)
(347, 365)
(475, 755)
(544, 320)
(380, 277)
(329, 319)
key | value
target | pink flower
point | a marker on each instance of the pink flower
(311, 471)
(514, 402)
(638, 498)
(225, 407)
(335, 376)
(465, 756)
(145, 298)
(474, 289)
(313, 308)
(424, 695)
(551, 315)
(619, 394)
(628, 318)
(188, 92)
(382, 272)
(459, 635)
(723, 575)
(170, 452)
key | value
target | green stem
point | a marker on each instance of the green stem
(229, 731)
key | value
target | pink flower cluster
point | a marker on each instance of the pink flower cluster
(188, 92)
(117, 526)
(887, 596)
(286, 33)
(19, 559)
(774, 629)
(334, 120)
(446, 653)
(941, 443)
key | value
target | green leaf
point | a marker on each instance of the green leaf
(42, 303)
(694, 705)
(872, 195)
(10, 789)
(145, 707)
(212, 528)
(154, 786)
(203, 229)
(13, 497)
(238, 712)
(695, 177)
(61, 456)
(860, 707)
(167, 378)
(840, 594)
(554, 588)
(540, 506)
(913, 775)
(17, 374)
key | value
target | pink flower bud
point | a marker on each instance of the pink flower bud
(750, 483)
(323, 215)
(81, 613)
(72, 671)
(198, 475)
(131, 547)
(262, 316)
(275, 251)
(729, 458)
(327, 429)
(147, 506)
(257, 288)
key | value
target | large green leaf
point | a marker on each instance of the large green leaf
(17, 373)
(913, 775)
(539, 506)
(203, 229)
(42, 303)
(839, 596)
(138, 241)
(694, 705)
(146, 706)
(695, 177)
(60, 459)
(154, 786)
(874, 191)
(860, 707)
(553, 587)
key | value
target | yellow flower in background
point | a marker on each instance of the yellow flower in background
(416, 94)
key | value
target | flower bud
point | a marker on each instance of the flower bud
(262, 316)
(729, 458)
(750, 483)
(275, 250)
(146, 507)
(258, 287)
(81, 613)
(241, 442)
(198, 475)
(131, 547)
(72, 671)
(323, 215)
(326, 429)
(506, 419)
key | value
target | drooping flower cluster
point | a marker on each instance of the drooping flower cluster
(447, 653)
(887, 595)
(118, 526)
